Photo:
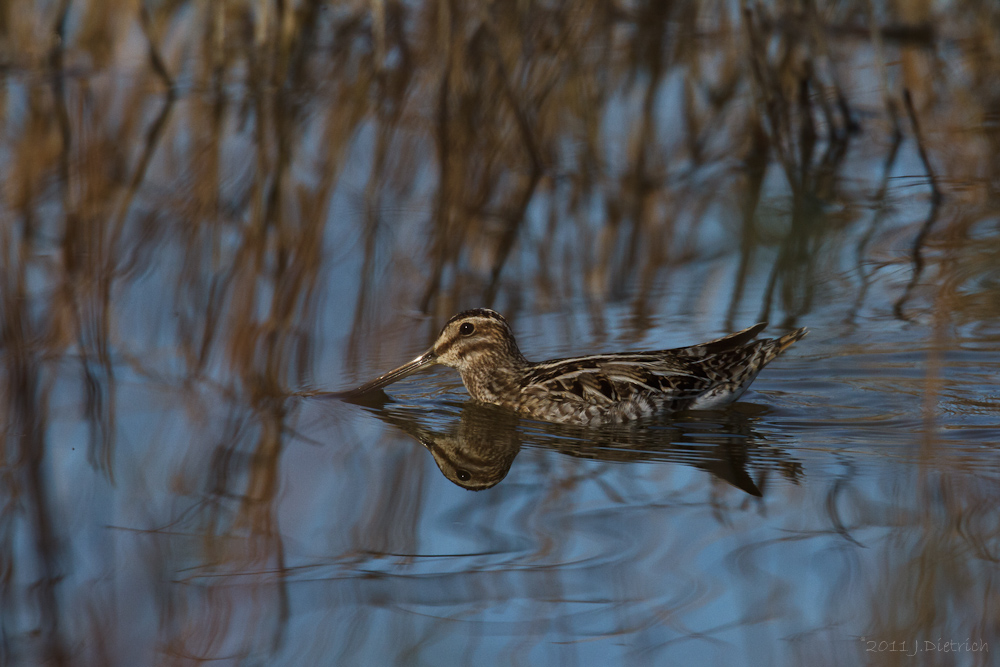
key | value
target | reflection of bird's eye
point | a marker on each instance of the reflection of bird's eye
(467, 328)
(463, 475)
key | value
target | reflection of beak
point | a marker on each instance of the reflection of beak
(428, 358)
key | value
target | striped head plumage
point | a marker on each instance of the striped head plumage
(595, 389)
(477, 339)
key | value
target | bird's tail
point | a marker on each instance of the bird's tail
(776, 346)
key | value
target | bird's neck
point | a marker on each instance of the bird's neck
(498, 381)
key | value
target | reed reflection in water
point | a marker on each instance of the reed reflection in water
(210, 209)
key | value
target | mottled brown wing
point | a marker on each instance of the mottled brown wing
(667, 379)
(606, 380)
(720, 345)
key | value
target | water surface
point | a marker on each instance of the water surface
(212, 216)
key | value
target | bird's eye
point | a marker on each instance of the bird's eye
(467, 328)
(463, 475)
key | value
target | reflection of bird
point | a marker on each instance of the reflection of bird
(476, 451)
(480, 452)
(596, 389)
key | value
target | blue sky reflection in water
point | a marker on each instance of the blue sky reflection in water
(199, 240)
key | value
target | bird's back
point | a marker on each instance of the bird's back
(616, 388)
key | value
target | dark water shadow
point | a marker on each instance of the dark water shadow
(476, 448)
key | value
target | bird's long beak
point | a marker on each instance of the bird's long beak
(426, 359)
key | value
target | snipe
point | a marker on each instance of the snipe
(596, 389)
